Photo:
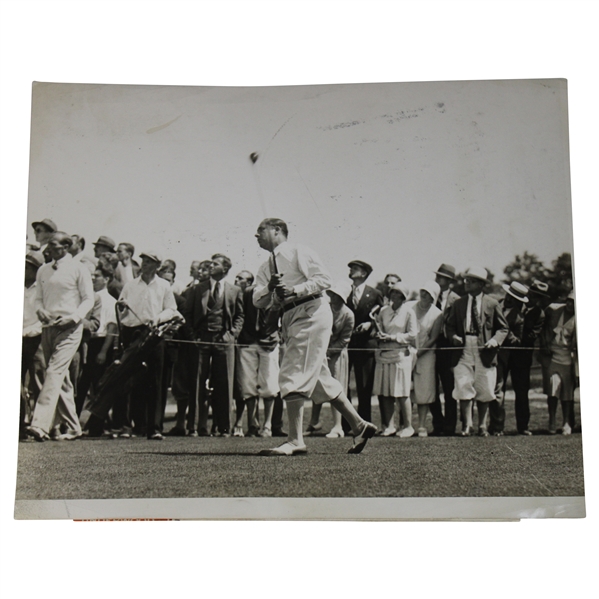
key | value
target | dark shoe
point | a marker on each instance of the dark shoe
(361, 439)
(436, 434)
(526, 433)
(203, 432)
(37, 433)
(253, 431)
(224, 434)
(192, 433)
(278, 432)
(176, 432)
(498, 434)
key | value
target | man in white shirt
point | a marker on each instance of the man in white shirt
(295, 278)
(64, 297)
(146, 301)
(77, 252)
(102, 341)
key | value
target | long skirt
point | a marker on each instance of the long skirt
(424, 379)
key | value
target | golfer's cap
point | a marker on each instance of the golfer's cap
(364, 265)
(151, 256)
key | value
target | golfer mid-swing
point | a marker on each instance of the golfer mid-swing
(295, 277)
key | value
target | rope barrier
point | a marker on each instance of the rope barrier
(360, 349)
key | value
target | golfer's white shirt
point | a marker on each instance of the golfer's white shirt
(64, 288)
(302, 271)
(147, 301)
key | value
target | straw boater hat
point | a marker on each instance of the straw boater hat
(432, 289)
(477, 272)
(401, 287)
(446, 270)
(517, 290)
(539, 288)
(341, 289)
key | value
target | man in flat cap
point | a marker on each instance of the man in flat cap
(361, 301)
(512, 306)
(444, 423)
(295, 278)
(476, 327)
(64, 296)
(44, 229)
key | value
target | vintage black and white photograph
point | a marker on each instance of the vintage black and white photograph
(319, 302)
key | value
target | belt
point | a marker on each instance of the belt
(302, 300)
(471, 335)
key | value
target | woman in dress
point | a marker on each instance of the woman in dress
(396, 333)
(430, 323)
(337, 356)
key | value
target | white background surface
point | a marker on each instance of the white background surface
(288, 43)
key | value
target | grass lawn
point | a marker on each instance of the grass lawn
(510, 466)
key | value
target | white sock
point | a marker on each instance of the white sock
(295, 415)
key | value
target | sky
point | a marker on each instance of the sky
(404, 176)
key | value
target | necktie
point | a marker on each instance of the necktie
(475, 323)
(354, 297)
(214, 296)
(439, 301)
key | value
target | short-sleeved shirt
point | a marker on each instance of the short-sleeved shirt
(146, 301)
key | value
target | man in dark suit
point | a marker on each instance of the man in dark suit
(361, 301)
(512, 306)
(214, 312)
(444, 424)
(476, 327)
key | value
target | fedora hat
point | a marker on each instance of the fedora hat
(477, 272)
(446, 270)
(364, 265)
(49, 224)
(152, 256)
(105, 241)
(539, 288)
(517, 291)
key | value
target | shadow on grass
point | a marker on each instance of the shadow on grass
(197, 453)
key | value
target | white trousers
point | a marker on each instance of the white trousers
(473, 380)
(257, 371)
(56, 399)
(304, 368)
